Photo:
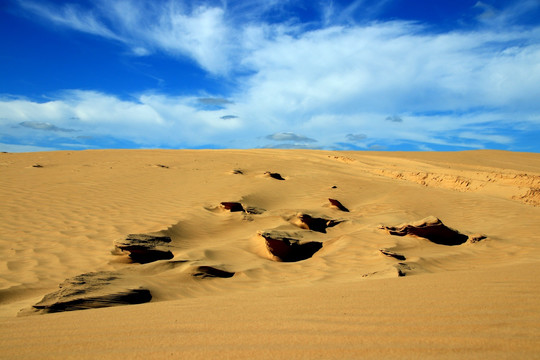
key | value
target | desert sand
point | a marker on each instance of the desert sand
(269, 254)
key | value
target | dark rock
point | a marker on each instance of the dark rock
(90, 291)
(401, 267)
(209, 271)
(238, 172)
(287, 249)
(238, 207)
(232, 206)
(274, 175)
(477, 238)
(308, 222)
(37, 166)
(254, 210)
(145, 248)
(393, 254)
(338, 205)
(429, 228)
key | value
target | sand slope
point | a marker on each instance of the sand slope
(264, 264)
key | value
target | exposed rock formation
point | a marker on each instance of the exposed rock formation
(89, 291)
(209, 271)
(401, 269)
(429, 228)
(145, 248)
(276, 176)
(232, 206)
(392, 254)
(238, 207)
(288, 249)
(308, 222)
(338, 205)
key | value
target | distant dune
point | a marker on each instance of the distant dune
(269, 254)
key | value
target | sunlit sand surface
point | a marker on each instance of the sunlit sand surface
(269, 254)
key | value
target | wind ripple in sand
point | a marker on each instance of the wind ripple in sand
(97, 204)
(103, 289)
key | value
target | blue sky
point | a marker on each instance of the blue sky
(344, 75)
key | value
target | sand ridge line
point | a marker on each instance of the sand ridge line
(523, 187)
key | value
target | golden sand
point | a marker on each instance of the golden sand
(429, 255)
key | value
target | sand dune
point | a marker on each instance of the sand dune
(265, 253)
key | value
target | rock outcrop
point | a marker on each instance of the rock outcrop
(429, 228)
(338, 205)
(90, 291)
(287, 249)
(212, 272)
(309, 222)
(143, 248)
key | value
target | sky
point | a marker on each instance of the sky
(410, 75)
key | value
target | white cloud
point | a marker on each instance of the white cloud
(201, 33)
(23, 148)
(145, 120)
(503, 16)
(71, 16)
(327, 83)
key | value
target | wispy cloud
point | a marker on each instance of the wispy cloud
(72, 16)
(332, 81)
(198, 32)
(495, 15)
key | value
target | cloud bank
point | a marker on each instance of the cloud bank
(334, 80)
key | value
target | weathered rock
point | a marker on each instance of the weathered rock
(90, 291)
(209, 271)
(145, 248)
(392, 254)
(308, 222)
(276, 176)
(477, 238)
(338, 205)
(429, 228)
(288, 249)
(232, 206)
(254, 210)
(401, 269)
(238, 207)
